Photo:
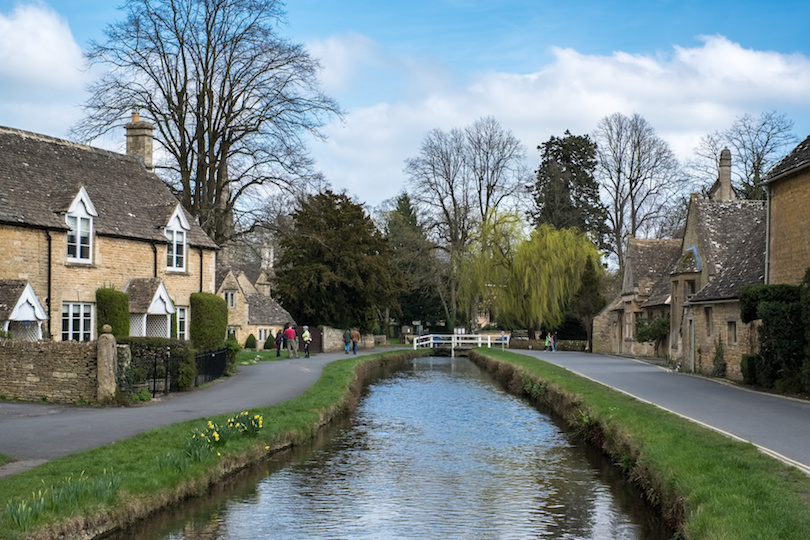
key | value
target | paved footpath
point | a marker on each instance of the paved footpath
(33, 433)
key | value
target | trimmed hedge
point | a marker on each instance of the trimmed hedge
(751, 296)
(209, 321)
(250, 342)
(112, 307)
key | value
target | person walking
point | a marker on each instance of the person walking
(554, 342)
(279, 341)
(548, 341)
(355, 339)
(292, 342)
(307, 337)
(347, 340)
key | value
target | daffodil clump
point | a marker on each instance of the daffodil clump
(207, 441)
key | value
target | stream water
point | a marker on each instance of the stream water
(434, 451)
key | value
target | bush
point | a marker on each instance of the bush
(270, 342)
(209, 321)
(250, 342)
(751, 296)
(233, 349)
(765, 371)
(112, 307)
(719, 363)
(748, 367)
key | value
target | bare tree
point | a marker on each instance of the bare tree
(457, 180)
(230, 98)
(638, 173)
(757, 144)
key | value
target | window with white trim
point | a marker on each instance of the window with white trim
(230, 299)
(182, 323)
(77, 321)
(176, 250)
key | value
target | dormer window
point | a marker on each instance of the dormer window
(177, 234)
(79, 219)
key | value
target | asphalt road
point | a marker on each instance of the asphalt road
(33, 433)
(778, 426)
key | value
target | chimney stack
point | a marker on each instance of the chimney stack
(139, 140)
(725, 192)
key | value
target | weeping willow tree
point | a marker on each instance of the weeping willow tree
(487, 263)
(543, 277)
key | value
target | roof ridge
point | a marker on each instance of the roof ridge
(63, 142)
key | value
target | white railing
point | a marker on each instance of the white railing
(455, 341)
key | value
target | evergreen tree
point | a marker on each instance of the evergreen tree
(336, 268)
(566, 194)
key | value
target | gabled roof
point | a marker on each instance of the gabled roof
(41, 176)
(264, 310)
(648, 263)
(18, 302)
(744, 265)
(720, 227)
(148, 295)
(797, 160)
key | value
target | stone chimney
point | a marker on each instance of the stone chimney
(724, 190)
(139, 140)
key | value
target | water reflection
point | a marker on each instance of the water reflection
(435, 451)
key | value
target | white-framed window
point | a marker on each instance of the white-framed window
(79, 219)
(77, 321)
(182, 323)
(176, 250)
(176, 233)
(230, 299)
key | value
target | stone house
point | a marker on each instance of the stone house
(788, 241)
(74, 219)
(251, 310)
(645, 293)
(723, 249)
(696, 279)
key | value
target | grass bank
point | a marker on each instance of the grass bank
(86, 494)
(706, 486)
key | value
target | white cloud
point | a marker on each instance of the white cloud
(41, 76)
(692, 92)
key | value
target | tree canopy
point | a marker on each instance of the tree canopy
(565, 192)
(336, 268)
(230, 98)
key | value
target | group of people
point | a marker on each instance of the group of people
(351, 337)
(551, 341)
(289, 335)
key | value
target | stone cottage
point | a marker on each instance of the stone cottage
(74, 219)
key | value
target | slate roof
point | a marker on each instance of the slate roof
(721, 227)
(141, 292)
(648, 265)
(40, 176)
(10, 291)
(264, 310)
(796, 160)
(745, 265)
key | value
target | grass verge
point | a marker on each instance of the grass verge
(89, 493)
(706, 485)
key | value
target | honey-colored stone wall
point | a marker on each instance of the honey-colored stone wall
(57, 372)
(789, 237)
(115, 262)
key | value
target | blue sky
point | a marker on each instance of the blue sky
(402, 68)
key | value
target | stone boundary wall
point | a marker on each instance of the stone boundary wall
(58, 372)
(333, 339)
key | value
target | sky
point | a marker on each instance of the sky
(402, 68)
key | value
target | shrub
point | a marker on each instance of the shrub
(751, 296)
(112, 307)
(209, 321)
(250, 342)
(270, 342)
(233, 349)
(748, 367)
(719, 363)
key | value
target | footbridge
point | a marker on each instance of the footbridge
(459, 341)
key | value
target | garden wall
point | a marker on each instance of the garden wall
(59, 372)
(333, 339)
